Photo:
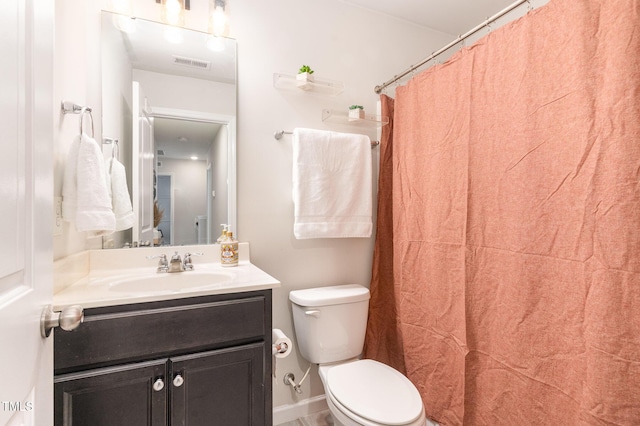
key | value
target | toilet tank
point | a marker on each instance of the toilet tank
(330, 322)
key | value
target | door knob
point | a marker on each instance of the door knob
(68, 319)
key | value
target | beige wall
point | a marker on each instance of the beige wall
(341, 42)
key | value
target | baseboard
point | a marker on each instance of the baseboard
(290, 412)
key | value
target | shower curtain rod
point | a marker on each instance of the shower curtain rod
(378, 89)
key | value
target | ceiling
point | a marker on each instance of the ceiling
(180, 139)
(449, 16)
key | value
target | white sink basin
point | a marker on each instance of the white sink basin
(178, 281)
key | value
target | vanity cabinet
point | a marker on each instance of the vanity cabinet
(195, 361)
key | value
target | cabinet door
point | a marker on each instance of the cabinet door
(134, 394)
(219, 388)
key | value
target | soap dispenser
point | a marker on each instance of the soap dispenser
(223, 235)
(229, 250)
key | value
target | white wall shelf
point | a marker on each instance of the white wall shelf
(342, 117)
(289, 82)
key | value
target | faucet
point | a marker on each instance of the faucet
(176, 265)
(163, 265)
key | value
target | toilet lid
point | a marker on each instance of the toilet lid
(375, 392)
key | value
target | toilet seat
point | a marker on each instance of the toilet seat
(375, 392)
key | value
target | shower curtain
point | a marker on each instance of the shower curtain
(506, 277)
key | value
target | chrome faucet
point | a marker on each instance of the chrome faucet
(176, 265)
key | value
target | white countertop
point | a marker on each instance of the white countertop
(108, 287)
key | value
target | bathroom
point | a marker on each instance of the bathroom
(342, 41)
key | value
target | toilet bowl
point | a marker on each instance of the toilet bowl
(330, 324)
(369, 393)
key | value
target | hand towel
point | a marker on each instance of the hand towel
(94, 212)
(119, 193)
(332, 184)
(70, 182)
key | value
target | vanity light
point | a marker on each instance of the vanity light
(219, 17)
(173, 12)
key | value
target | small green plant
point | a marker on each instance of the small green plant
(305, 68)
(356, 107)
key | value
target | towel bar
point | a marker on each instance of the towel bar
(279, 133)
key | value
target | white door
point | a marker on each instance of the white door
(143, 167)
(26, 194)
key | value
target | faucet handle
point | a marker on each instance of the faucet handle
(188, 265)
(163, 265)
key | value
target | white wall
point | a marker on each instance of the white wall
(341, 42)
(361, 49)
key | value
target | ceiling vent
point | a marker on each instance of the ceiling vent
(190, 62)
(160, 152)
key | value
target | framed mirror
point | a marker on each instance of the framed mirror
(169, 116)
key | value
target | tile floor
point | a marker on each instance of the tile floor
(322, 418)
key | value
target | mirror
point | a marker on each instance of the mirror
(169, 115)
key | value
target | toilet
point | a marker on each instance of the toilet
(330, 324)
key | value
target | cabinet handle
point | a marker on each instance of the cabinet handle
(178, 381)
(158, 385)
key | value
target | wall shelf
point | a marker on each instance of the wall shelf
(342, 117)
(289, 82)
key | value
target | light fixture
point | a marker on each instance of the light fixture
(219, 17)
(194, 157)
(173, 12)
(123, 15)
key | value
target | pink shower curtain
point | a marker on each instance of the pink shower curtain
(506, 279)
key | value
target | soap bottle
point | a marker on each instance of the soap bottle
(223, 235)
(229, 250)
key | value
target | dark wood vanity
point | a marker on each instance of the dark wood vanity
(194, 361)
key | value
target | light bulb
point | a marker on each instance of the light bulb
(218, 20)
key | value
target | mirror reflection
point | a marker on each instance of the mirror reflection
(169, 99)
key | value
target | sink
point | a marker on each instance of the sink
(179, 281)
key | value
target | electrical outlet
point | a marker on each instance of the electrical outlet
(57, 216)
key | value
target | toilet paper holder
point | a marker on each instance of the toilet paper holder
(279, 348)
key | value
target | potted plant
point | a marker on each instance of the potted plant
(304, 77)
(356, 112)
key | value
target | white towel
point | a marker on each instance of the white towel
(119, 193)
(94, 212)
(70, 182)
(332, 189)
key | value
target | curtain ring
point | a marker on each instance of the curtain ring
(529, 6)
(487, 24)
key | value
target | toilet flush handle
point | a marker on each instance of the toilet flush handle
(313, 313)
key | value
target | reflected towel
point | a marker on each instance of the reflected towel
(94, 212)
(119, 193)
(332, 184)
